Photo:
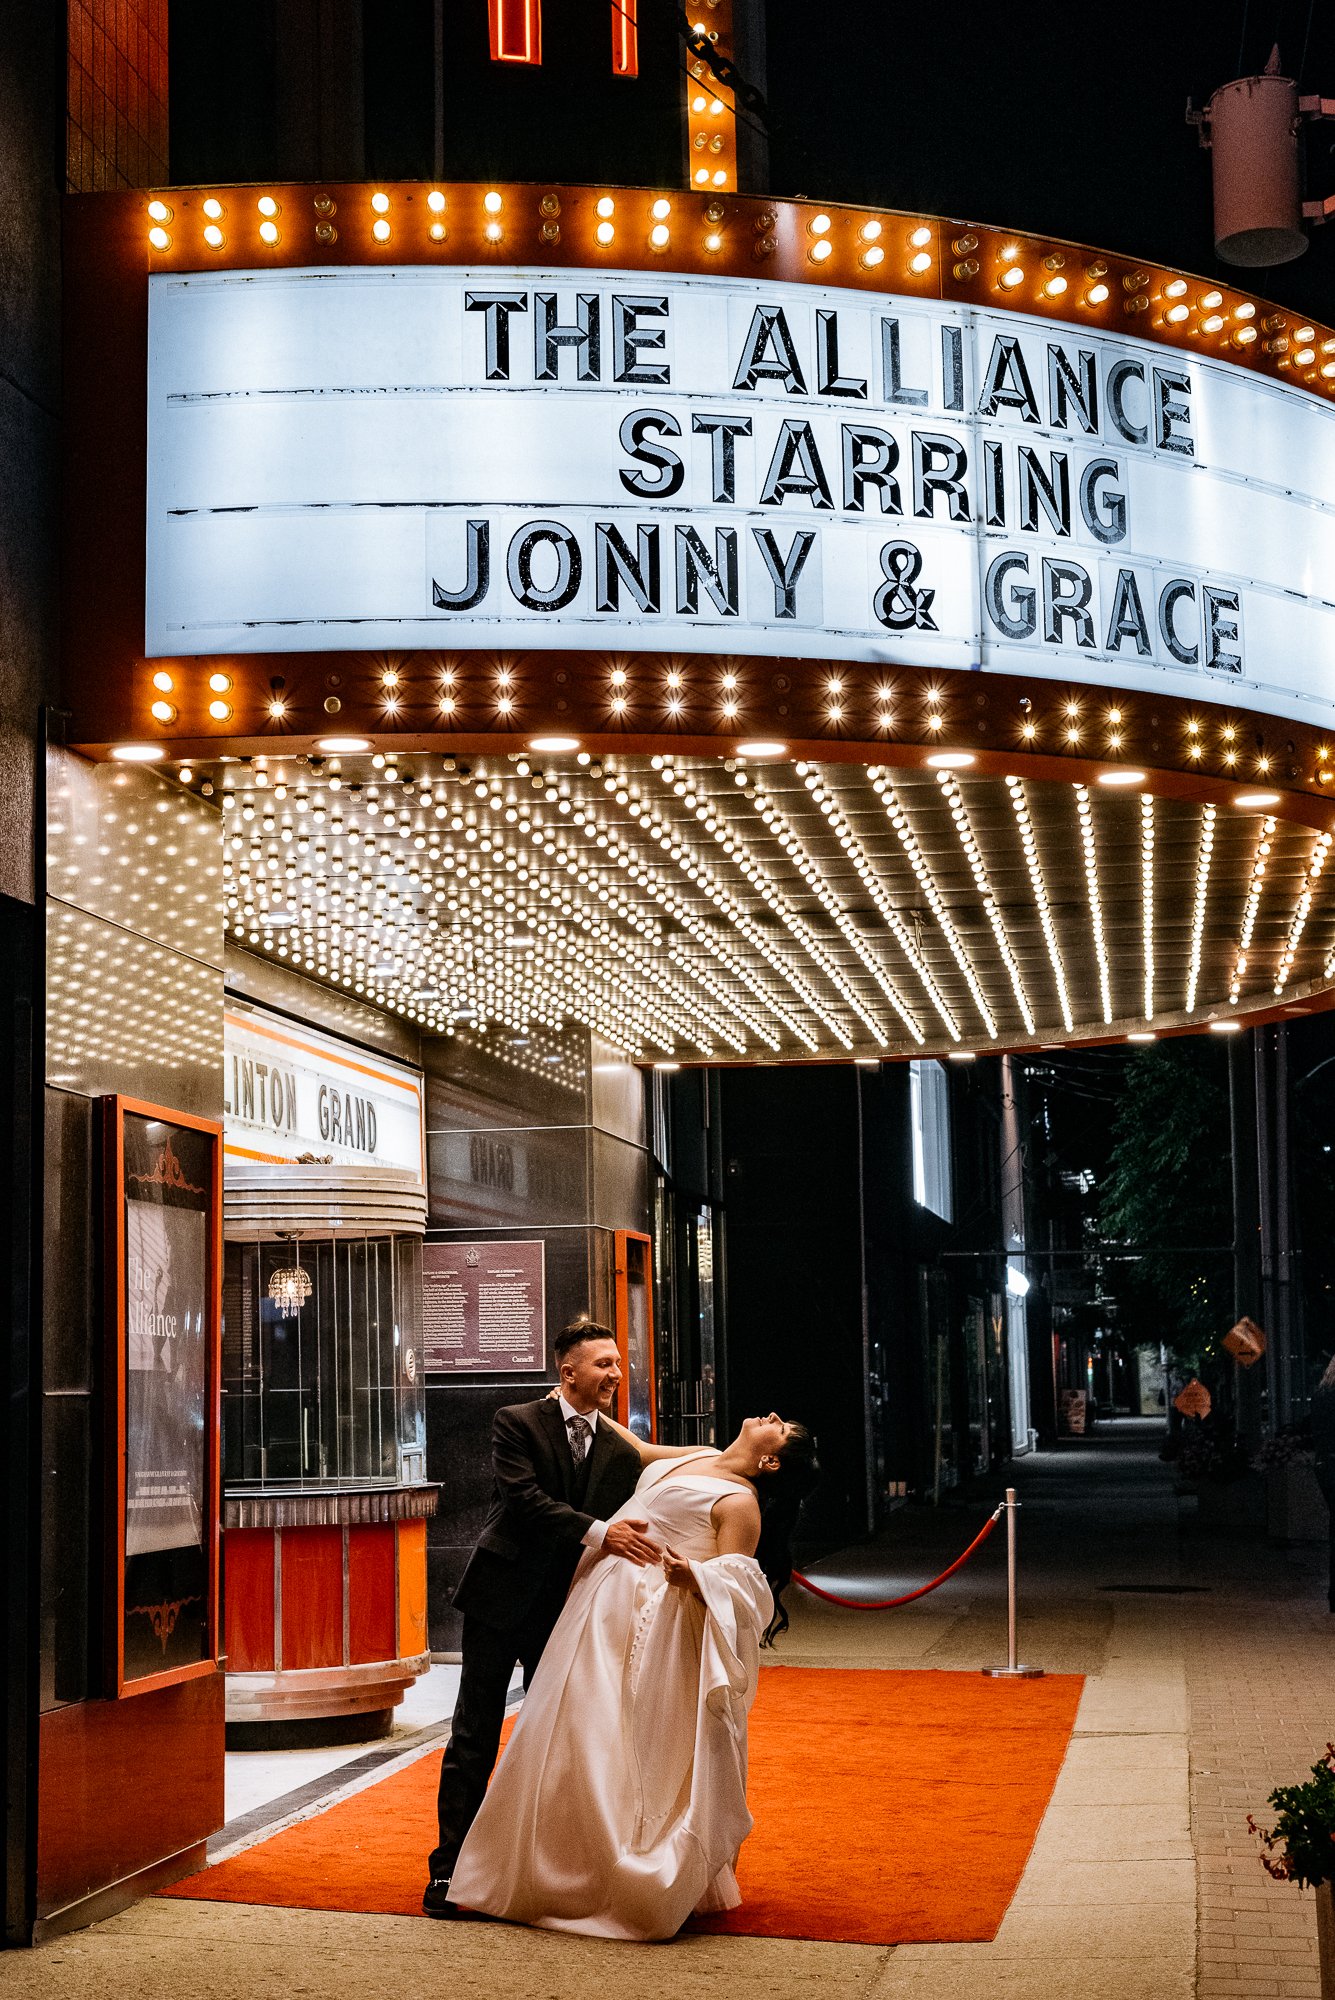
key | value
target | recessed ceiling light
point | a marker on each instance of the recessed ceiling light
(552, 745)
(1245, 799)
(137, 753)
(867, 1062)
(667, 1065)
(1226, 1027)
(950, 760)
(1142, 1035)
(341, 746)
(1121, 777)
(960, 1055)
(761, 748)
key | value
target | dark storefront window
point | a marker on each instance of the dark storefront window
(322, 1375)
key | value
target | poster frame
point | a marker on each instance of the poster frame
(114, 1111)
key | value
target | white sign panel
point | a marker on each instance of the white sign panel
(419, 458)
(291, 1093)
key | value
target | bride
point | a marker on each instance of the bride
(619, 1806)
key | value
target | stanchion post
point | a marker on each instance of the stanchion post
(1012, 1669)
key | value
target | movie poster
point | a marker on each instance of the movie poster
(167, 1175)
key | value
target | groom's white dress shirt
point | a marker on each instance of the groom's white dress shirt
(597, 1529)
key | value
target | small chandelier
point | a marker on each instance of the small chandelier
(290, 1287)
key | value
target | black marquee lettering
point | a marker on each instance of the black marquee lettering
(1119, 375)
(768, 353)
(722, 432)
(1078, 386)
(892, 371)
(1169, 598)
(1223, 629)
(870, 458)
(630, 340)
(1050, 490)
(952, 367)
(1172, 412)
(519, 565)
(614, 565)
(829, 382)
(994, 484)
(718, 572)
(1126, 620)
(1013, 608)
(669, 472)
(1006, 384)
(497, 306)
(796, 468)
(939, 466)
(477, 582)
(550, 336)
(1067, 589)
(1104, 514)
(785, 570)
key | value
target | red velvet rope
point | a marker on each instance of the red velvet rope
(889, 1603)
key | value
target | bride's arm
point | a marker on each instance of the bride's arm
(651, 1453)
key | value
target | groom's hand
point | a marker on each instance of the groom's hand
(628, 1539)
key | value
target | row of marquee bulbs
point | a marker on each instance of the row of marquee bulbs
(774, 820)
(1205, 314)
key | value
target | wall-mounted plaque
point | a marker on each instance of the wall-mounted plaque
(164, 1227)
(484, 1308)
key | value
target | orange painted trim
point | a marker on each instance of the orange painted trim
(622, 1327)
(312, 1049)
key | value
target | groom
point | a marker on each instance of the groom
(559, 1473)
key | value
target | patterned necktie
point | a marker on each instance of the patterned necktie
(580, 1433)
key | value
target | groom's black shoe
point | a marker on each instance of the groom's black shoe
(436, 1899)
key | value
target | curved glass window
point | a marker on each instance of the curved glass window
(322, 1363)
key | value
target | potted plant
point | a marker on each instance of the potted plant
(1300, 1847)
(1295, 1510)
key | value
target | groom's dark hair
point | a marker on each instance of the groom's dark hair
(580, 1329)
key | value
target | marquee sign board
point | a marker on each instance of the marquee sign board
(446, 458)
(292, 1093)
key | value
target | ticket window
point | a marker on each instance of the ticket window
(637, 1405)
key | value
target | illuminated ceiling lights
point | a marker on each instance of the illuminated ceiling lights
(697, 909)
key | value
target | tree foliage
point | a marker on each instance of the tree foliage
(1168, 1196)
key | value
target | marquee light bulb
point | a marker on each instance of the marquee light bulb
(267, 205)
(1175, 289)
(1245, 311)
(1212, 324)
(606, 205)
(380, 203)
(162, 711)
(380, 231)
(714, 242)
(269, 232)
(1012, 276)
(213, 236)
(219, 683)
(605, 232)
(1176, 314)
(922, 262)
(720, 178)
(1096, 295)
(870, 231)
(871, 258)
(660, 235)
(493, 232)
(435, 201)
(491, 201)
(1054, 287)
(661, 209)
(821, 250)
(163, 682)
(819, 225)
(1211, 300)
(437, 232)
(1244, 336)
(159, 239)
(159, 211)
(219, 710)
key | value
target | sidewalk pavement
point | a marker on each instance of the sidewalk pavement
(1143, 1883)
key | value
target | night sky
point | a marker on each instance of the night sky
(1063, 119)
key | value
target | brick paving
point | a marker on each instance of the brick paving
(1260, 1673)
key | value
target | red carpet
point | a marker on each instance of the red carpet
(890, 1808)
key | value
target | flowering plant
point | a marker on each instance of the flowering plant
(1300, 1846)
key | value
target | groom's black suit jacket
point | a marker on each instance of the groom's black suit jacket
(530, 1542)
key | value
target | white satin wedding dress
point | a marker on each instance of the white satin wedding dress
(619, 1804)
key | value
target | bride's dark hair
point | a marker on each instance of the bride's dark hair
(781, 1494)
